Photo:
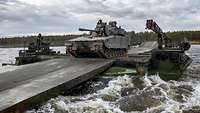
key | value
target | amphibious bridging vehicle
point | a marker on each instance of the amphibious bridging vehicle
(170, 56)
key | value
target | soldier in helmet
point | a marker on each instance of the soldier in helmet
(99, 22)
(100, 27)
(39, 41)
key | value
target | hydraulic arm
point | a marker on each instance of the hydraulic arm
(162, 37)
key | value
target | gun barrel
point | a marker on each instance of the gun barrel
(82, 29)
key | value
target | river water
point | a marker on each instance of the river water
(127, 93)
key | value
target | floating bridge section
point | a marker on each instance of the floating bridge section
(143, 53)
(25, 87)
(28, 85)
(145, 47)
(138, 55)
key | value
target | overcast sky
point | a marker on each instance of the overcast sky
(66, 16)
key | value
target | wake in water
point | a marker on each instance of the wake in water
(148, 94)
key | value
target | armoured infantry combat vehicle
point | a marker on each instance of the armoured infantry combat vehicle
(105, 41)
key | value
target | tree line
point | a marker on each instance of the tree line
(59, 40)
(192, 36)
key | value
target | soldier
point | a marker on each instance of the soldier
(100, 27)
(99, 22)
(39, 41)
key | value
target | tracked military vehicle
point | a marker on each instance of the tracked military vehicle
(36, 52)
(170, 56)
(105, 41)
(164, 42)
(165, 56)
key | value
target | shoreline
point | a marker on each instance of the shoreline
(12, 46)
(195, 43)
(27, 46)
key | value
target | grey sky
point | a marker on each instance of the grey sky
(66, 16)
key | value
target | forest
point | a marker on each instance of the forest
(59, 40)
(192, 36)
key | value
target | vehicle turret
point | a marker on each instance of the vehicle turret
(104, 29)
